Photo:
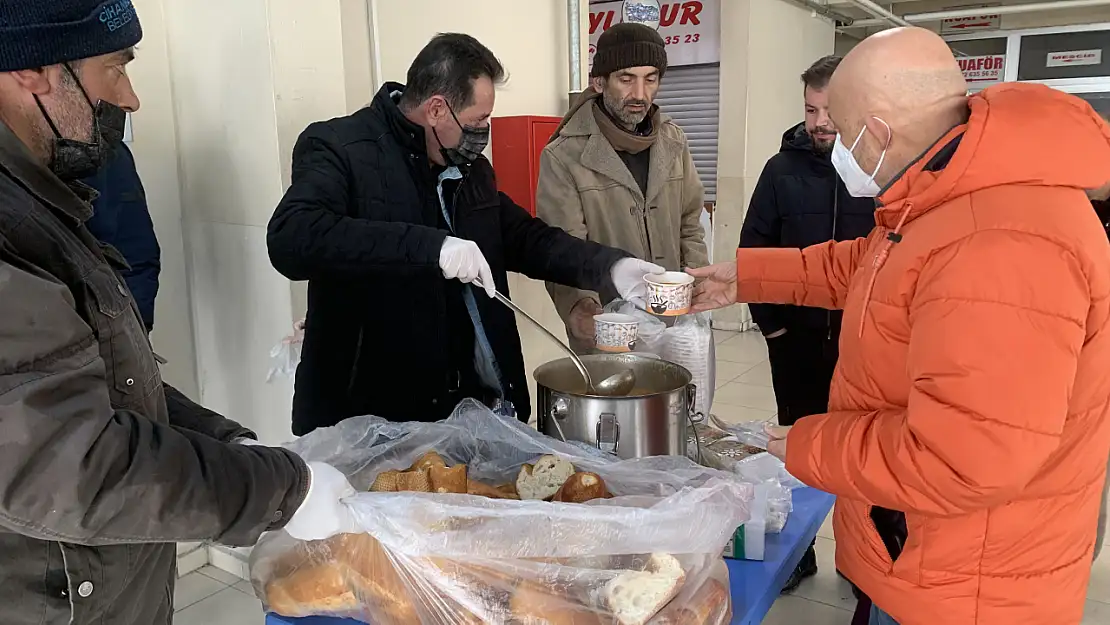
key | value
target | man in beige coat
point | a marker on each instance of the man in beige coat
(619, 172)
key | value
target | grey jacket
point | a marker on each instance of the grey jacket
(102, 466)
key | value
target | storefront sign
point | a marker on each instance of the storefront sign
(957, 25)
(982, 68)
(691, 29)
(1074, 57)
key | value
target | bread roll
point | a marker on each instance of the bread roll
(582, 487)
(427, 461)
(448, 480)
(544, 479)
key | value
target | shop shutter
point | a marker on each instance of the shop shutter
(691, 95)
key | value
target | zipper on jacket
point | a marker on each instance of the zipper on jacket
(650, 255)
(836, 215)
(358, 359)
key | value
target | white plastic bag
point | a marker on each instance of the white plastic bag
(689, 343)
(286, 355)
(768, 470)
(436, 558)
(748, 432)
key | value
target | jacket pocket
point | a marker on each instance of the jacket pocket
(129, 362)
(891, 527)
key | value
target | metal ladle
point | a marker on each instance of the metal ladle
(616, 385)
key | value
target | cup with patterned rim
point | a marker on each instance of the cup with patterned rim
(616, 333)
(670, 293)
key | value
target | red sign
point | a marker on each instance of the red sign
(691, 29)
(967, 24)
(983, 68)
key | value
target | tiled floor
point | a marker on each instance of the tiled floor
(212, 597)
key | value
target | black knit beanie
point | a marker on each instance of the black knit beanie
(39, 33)
(629, 45)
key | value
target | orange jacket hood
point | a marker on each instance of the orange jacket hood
(1016, 134)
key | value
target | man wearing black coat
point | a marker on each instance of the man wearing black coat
(385, 204)
(121, 219)
(800, 201)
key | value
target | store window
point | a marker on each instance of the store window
(1098, 101)
(982, 60)
(1064, 55)
(691, 95)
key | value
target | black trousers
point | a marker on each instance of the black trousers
(802, 364)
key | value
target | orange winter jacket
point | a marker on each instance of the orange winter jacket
(973, 390)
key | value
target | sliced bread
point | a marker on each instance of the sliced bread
(543, 479)
(634, 597)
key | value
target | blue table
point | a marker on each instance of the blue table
(754, 585)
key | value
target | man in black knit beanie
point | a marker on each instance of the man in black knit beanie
(645, 196)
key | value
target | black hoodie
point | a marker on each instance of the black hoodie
(799, 201)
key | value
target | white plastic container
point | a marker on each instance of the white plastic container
(749, 541)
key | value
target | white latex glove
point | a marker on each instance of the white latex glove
(250, 442)
(323, 513)
(628, 277)
(462, 260)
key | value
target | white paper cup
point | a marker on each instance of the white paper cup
(616, 333)
(670, 293)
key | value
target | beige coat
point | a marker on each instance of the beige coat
(586, 189)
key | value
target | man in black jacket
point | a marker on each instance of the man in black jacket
(121, 219)
(387, 203)
(799, 201)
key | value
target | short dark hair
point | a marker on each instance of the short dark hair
(448, 66)
(820, 73)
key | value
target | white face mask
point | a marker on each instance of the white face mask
(858, 183)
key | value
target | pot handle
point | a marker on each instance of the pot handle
(691, 404)
(608, 432)
(559, 411)
(694, 417)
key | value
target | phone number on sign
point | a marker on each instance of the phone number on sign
(673, 40)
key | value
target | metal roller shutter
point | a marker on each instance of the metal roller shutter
(691, 94)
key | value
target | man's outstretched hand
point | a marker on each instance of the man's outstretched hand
(716, 287)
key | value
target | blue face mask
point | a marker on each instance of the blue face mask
(856, 180)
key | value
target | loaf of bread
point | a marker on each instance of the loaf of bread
(386, 482)
(582, 487)
(340, 575)
(415, 481)
(532, 605)
(475, 487)
(320, 589)
(448, 480)
(634, 597)
(542, 480)
(708, 606)
(427, 461)
(359, 578)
